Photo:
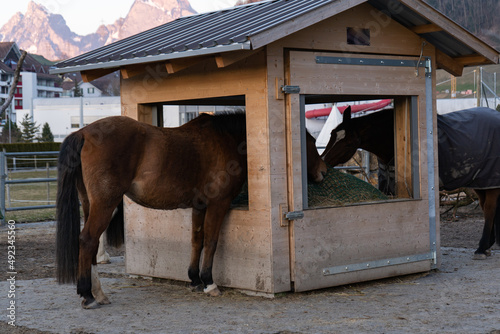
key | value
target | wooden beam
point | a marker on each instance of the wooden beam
(229, 58)
(90, 75)
(131, 71)
(449, 64)
(174, 66)
(473, 60)
(426, 28)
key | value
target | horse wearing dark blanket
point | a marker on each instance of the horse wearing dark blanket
(469, 155)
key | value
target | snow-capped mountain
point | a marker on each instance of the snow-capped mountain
(40, 32)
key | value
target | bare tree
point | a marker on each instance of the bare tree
(13, 87)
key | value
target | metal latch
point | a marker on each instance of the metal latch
(290, 89)
(286, 216)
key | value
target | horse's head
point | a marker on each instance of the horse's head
(343, 143)
(316, 167)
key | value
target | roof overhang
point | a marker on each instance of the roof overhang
(116, 64)
(254, 26)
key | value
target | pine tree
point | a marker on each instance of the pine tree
(15, 133)
(77, 91)
(47, 136)
(28, 129)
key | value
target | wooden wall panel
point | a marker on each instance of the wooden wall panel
(386, 36)
(158, 245)
(354, 234)
(353, 79)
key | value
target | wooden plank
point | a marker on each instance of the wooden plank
(280, 246)
(353, 79)
(403, 156)
(131, 71)
(426, 28)
(174, 66)
(229, 58)
(450, 65)
(90, 75)
(472, 60)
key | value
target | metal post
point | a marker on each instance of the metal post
(2, 185)
(366, 165)
(303, 149)
(81, 112)
(48, 183)
(480, 88)
(495, 89)
(7, 178)
(431, 187)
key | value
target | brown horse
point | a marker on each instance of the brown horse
(201, 165)
(375, 133)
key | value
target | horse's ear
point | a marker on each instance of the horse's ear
(347, 115)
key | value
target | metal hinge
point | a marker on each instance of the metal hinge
(428, 67)
(287, 89)
(286, 216)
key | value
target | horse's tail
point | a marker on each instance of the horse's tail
(115, 231)
(68, 208)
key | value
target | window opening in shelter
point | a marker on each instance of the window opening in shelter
(368, 146)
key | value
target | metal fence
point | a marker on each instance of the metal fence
(4, 182)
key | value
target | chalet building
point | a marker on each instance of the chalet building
(35, 81)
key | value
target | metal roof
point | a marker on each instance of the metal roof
(252, 26)
(207, 33)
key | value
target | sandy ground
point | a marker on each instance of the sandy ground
(463, 296)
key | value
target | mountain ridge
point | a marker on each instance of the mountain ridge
(40, 32)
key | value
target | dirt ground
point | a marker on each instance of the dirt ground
(424, 303)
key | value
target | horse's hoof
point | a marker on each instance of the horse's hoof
(479, 256)
(104, 301)
(487, 252)
(89, 305)
(212, 290)
(196, 288)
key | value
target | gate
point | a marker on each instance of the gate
(4, 182)
(339, 245)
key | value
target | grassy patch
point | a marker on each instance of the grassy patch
(20, 195)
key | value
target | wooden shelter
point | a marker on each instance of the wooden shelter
(273, 58)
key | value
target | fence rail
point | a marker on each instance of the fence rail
(4, 182)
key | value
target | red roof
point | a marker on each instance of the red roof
(354, 108)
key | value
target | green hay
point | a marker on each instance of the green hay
(337, 189)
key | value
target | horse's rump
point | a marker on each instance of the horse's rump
(469, 149)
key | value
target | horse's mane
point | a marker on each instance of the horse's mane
(230, 122)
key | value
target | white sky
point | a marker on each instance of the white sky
(83, 17)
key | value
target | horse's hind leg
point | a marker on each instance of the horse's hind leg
(98, 220)
(97, 292)
(213, 221)
(488, 202)
(198, 217)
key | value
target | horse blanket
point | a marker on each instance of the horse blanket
(469, 149)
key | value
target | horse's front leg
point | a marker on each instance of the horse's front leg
(213, 221)
(198, 217)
